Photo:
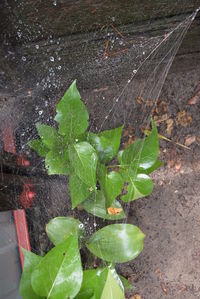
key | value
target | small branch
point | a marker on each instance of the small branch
(116, 30)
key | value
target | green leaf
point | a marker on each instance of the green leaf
(79, 191)
(142, 153)
(126, 284)
(154, 167)
(31, 260)
(119, 156)
(93, 283)
(57, 161)
(96, 283)
(101, 175)
(48, 135)
(38, 146)
(59, 274)
(149, 154)
(112, 289)
(139, 186)
(72, 114)
(60, 228)
(83, 159)
(117, 243)
(106, 143)
(96, 205)
(113, 186)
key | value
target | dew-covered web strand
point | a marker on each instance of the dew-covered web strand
(171, 52)
(161, 81)
(117, 100)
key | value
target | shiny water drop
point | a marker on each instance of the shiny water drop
(23, 58)
(40, 112)
(19, 33)
(37, 46)
(52, 58)
(59, 67)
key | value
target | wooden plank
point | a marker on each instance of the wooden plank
(66, 17)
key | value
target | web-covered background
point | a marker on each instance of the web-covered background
(120, 55)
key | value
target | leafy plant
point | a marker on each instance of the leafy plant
(97, 183)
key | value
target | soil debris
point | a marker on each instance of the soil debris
(136, 296)
(190, 139)
(160, 119)
(183, 118)
(169, 128)
(194, 99)
(177, 166)
(164, 287)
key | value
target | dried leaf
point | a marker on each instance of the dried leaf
(160, 119)
(136, 296)
(114, 211)
(177, 166)
(194, 99)
(149, 103)
(183, 118)
(164, 287)
(140, 100)
(169, 123)
(190, 139)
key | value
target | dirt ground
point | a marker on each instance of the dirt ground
(169, 266)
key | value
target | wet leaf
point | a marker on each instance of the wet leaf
(59, 274)
(154, 167)
(126, 284)
(60, 228)
(72, 114)
(48, 135)
(38, 146)
(31, 260)
(106, 143)
(93, 283)
(142, 153)
(57, 162)
(139, 186)
(79, 191)
(83, 159)
(117, 243)
(96, 283)
(96, 205)
(112, 289)
(113, 186)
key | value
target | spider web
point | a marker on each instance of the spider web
(147, 62)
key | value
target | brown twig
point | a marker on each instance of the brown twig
(111, 54)
(116, 30)
(105, 51)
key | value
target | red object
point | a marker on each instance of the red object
(27, 196)
(22, 232)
